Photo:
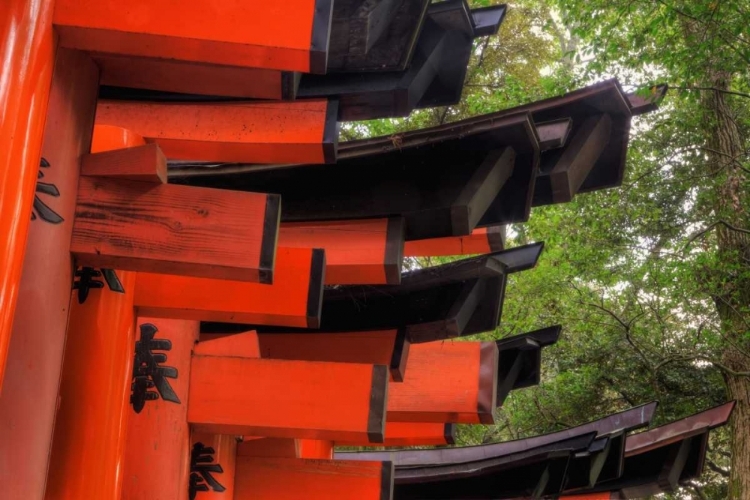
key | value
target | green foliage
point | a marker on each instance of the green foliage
(648, 281)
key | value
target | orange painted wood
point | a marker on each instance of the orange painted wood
(295, 478)
(243, 344)
(412, 434)
(143, 163)
(240, 33)
(157, 455)
(298, 399)
(213, 480)
(315, 448)
(294, 298)
(138, 226)
(481, 240)
(195, 78)
(269, 448)
(449, 381)
(384, 347)
(99, 358)
(94, 396)
(256, 132)
(109, 137)
(357, 251)
(29, 398)
(27, 45)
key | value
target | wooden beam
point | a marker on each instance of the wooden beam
(110, 137)
(137, 226)
(293, 37)
(448, 382)
(430, 304)
(212, 466)
(386, 347)
(285, 448)
(431, 184)
(122, 74)
(157, 463)
(303, 131)
(403, 434)
(315, 448)
(293, 299)
(565, 170)
(269, 448)
(29, 45)
(481, 240)
(294, 478)
(358, 252)
(143, 163)
(244, 345)
(29, 397)
(553, 134)
(374, 35)
(297, 398)
(382, 94)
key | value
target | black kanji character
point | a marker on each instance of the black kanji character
(201, 470)
(88, 278)
(147, 372)
(45, 212)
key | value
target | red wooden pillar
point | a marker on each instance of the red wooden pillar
(212, 466)
(91, 424)
(157, 455)
(29, 399)
(27, 52)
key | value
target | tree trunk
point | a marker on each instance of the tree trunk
(732, 292)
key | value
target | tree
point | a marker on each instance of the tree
(651, 280)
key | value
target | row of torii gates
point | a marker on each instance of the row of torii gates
(201, 291)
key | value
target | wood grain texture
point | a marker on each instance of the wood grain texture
(169, 229)
(411, 434)
(294, 478)
(447, 381)
(299, 399)
(286, 302)
(192, 77)
(256, 132)
(481, 240)
(250, 34)
(142, 163)
(357, 251)
(157, 462)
